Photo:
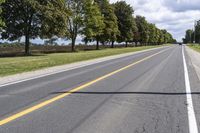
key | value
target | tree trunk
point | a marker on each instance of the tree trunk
(73, 45)
(126, 44)
(136, 44)
(97, 46)
(27, 45)
(103, 43)
(86, 41)
(112, 45)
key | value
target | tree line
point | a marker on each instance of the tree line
(193, 36)
(94, 20)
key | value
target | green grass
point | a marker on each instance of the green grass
(196, 47)
(14, 65)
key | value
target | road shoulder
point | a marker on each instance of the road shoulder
(195, 59)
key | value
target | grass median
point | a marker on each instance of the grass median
(15, 65)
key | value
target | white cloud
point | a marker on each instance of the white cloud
(174, 15)
(182, 5)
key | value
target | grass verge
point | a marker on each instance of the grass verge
(196, 47)
(15, 65)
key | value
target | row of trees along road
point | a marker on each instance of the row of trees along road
(193, 36)
(94, 20)
(1, 22)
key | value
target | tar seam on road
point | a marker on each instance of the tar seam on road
(191, 114)
(54, 99)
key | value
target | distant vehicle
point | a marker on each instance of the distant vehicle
(180, 44)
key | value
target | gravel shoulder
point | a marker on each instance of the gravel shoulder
(195, 59)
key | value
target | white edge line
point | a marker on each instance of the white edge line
(191, 114)
(72, 68)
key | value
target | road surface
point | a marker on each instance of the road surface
(142, 93)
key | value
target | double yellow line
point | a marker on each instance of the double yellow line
(47, 102)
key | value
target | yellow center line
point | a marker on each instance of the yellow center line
(47, 102)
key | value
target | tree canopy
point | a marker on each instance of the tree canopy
(75, 19)
(110, 30)
(197, 32)
(126, 22)
(93, 20)
(1, 21)
(143, 29)
(193, 36)
(32, 19)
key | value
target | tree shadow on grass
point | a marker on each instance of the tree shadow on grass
(20, 55)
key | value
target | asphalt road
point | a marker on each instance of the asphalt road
(148, 96)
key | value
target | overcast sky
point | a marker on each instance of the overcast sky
(174, 15)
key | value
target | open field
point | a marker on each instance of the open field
(14, 65)
(11, 50)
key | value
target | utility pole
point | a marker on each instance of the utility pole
(191, 36)
(197, 25)
(195, 31)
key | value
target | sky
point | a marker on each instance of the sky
(176, 16)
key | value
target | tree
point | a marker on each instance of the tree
(126, 22)
(33, 18)
(149, 33)
(110, 30)
(152, 33)
(143, 29)
(193, 36)
(164, 32)
(157, 36)
(188, 36)
(93, 22)
(75, 19)
(184, 40)
(197, 32)
(1, 21)
(167, 37)
(161, 37)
